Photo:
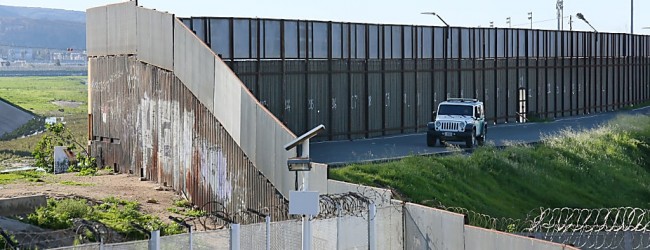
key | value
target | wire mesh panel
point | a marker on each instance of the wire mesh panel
(133, 245)
(325, 234)
(217, 240)
(286, 235)
(253, 236)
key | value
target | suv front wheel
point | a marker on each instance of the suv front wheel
(431, 140)
(471, 141)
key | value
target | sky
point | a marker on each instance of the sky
(606, 16)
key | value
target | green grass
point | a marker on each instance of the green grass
(74, 183)
(36, 94)
(605, 167)
(31, 176)
(117, 214)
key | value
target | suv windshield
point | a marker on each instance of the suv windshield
(455, 110)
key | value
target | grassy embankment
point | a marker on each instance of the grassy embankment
(605, 167)
(38, 94)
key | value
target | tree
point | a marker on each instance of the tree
(59, 135)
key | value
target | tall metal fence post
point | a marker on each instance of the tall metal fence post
(339, 219)
(154, 241)
(268, 232)
(235, 237)
(372, 230)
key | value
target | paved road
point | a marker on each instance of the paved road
(343, 152)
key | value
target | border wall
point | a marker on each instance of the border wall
(367, 80)
(162, 106)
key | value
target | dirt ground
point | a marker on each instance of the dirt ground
(120, 186)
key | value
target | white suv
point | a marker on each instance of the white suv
(458, 119)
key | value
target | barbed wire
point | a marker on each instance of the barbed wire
(562, 220)
(503, 224)
(82, 232)
(343, 204)
(599, 228)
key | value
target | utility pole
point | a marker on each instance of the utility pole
(508, 21)
(560, 14)
(491, 24)
(530, 17)
(570, 22)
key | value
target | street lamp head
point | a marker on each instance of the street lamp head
(581, 17)
(428, 13)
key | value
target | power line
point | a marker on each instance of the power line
(541, 21)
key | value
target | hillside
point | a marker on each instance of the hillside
(42, 28)
(601, 168)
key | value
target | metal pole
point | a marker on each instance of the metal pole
(235, 240)
(306, 219)
(372, 230)
(268, 232)
(154, 242)
(339, 227)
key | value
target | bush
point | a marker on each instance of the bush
(116, 214)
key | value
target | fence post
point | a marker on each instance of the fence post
(338, 226)
(372, 231)
(234, 237)
(268, 232)
(154, 241)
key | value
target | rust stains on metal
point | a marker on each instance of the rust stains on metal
(165, 134)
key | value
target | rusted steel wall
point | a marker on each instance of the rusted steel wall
(147, 123)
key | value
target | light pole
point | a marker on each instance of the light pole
(445, 52)
(582, 17)
(303, 202)
(631, 16)
(530, 17)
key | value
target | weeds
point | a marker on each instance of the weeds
(30, 176)
(116, 214)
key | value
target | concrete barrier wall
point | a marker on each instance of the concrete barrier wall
(155, 38)
(223, 93)
(428, 228)
(112, 30)
(390, 227)
(485, 239)
(318, 178)
(96, 31)
(121, 35)
(21, 205)
(194, 66)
